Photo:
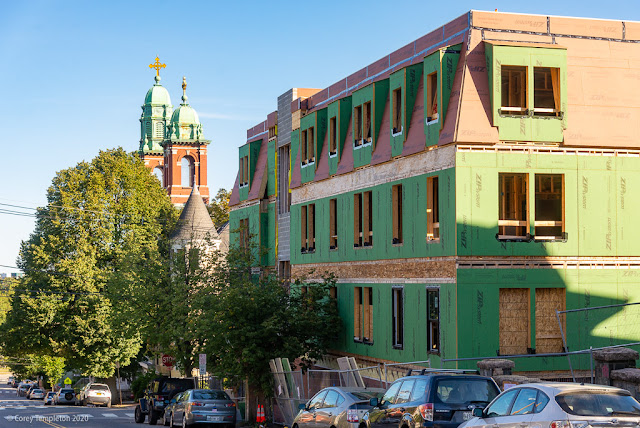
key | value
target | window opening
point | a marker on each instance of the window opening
(311, 234)
(367, 219)
(514, 90)
(357, 220)
(303, 147)
(398, 317)
(433, 320)
(548, 337)
(396, 203)
(332, 137)
(397, 111)
(187, 171)
(284, 165)
(311, 150)
(367, 128)
(159, 130)
(432, 97)
(433, 210)
(357, 125)
(549, 222)
(514, 207)
(244, 233)
(246, 170)
(514, 314)
(546, 91)
(368, 315)
(303, 228)
(357, 313)
(333, 224)
(272, 132)
(158, 172)
(284, 272)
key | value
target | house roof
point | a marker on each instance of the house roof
(194, 222)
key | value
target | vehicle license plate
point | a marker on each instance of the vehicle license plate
(214, 418)
(466, 416)
(99, 393)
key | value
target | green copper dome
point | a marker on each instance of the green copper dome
(185, 123)
(158, 95)
(156, 111)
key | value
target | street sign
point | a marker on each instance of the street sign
(67, 381)
(203, 364)
(168, 360)
(255, 270)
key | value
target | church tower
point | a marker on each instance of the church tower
(156, 112)
(172, 144)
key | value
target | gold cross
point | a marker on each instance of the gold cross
(157, 66)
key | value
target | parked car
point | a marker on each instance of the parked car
(36, 394)
(23, 387)
(32, 387)
(559, 405)
(48, 398)
(336, 407)
(157, 396)
(65, 396)
(204, 406)
(433, 399)
(97, 394)
(168, 411)
(10, 380)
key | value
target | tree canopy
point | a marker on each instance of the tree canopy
(219, 207)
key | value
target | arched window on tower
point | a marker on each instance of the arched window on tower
(188, 170)
(157, 171)
(159, 130)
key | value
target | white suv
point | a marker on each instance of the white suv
(97, 394)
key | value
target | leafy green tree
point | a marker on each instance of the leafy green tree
(219, 207)
(31, 366)
(98, 248)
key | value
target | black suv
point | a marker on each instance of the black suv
(431, 400)
(156, 397)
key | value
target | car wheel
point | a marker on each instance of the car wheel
(153, 417)
(184, 422)
(138, 416)
(165, 421)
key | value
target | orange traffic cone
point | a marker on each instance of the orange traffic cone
(260, 418)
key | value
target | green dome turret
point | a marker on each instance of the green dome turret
(185, 123)
(156, 111)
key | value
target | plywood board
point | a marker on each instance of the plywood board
(281, 378)
(585, 27)
(356, 373)
(548, 336)
(348, 379)
(514, 321)
(294, 391)
(503, 21)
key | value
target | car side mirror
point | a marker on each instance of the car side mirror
(478, 412)
(302, 406)
(373, 402)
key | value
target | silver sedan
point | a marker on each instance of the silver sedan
(336, 407)
(558, 405)
(203, 406)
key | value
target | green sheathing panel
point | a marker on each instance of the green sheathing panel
(414, 217)
(308, 171)
(478, 311)
(341, 110)
(381, 95)
(321, 131)
(415, 322)
(271, 165)
(254, 152)
(253, 214)
(408, 79)
(362, 153)
(295, 146)
(268, 236)
(601, 199)
(443, 62)
(527, 127)
(243, 192)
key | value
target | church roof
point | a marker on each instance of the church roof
(194, 222)
(157, 95)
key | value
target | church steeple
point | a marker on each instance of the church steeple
(156, 113)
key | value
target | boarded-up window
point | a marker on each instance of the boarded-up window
(549, 221)
(367, 219)
(368, 314)
(432, 97)
(398, 317)
(333, 138)
(303, 228)
(357, 313)
(357, 220)
(333, 224)
(363, 314)
(513, 222)
(367, 129)
(433, 320)
(546, 91)
(244, 233)
(433, 210)
(514, 321)
(396, 213)
(514, 90)
(311, 145)
(284, 196)
(303, 147)
(396, 97)
(548, 336)
(357, 125)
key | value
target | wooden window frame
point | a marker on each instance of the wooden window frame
(311, 224)
(396, 214)
(397, 317)
(552, 85)
(367, 124)
(273, 132)
(357, 220)
(303, 147)
(357, 314)
(333, 224)
(518, 90)
(333, 138)
(367, 219)
(432, 97)
(509, 197)
(284, 165)
(303, 229)
(433, 209)
(244, 233)
(246, 170)
(367, 334)
(538, 197)
(311, 150)
(433, 323)
(357, 125)
(396, 123)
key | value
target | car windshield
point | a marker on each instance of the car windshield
(177, 384)
(464, 390)
(364, 395)
(99, 387)
(65, 391)
(210, 395)
(586, 403)
(50, 394)
(37, 390)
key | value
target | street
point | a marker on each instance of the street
(19, 412)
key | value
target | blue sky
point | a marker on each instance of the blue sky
(74, 73)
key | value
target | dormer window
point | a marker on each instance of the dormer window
(514, 90)
(546, 91)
